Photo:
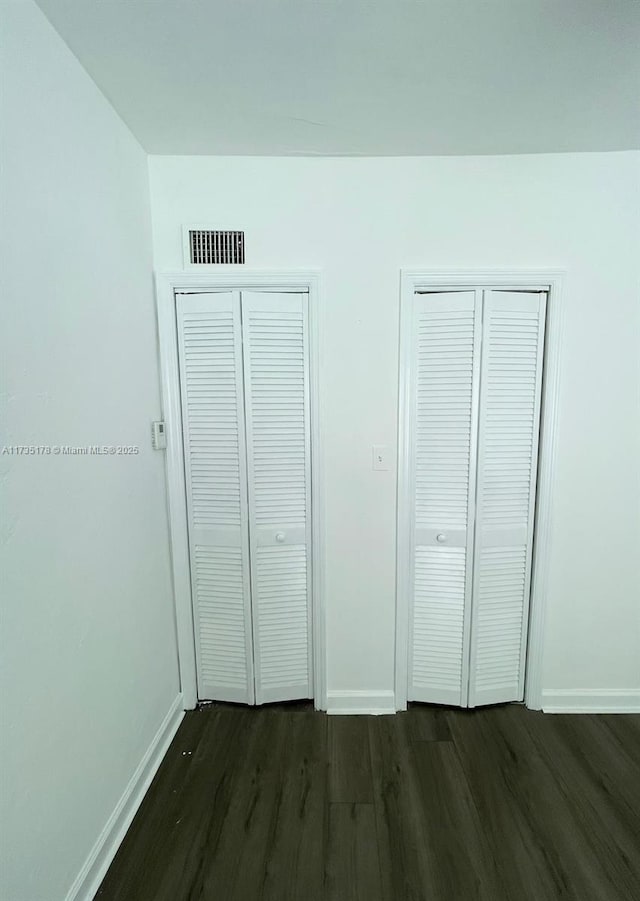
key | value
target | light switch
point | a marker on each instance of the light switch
(380, 457)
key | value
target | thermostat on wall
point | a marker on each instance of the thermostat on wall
(158, 435)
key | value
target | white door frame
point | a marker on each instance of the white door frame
(517, 279)
(167, 284)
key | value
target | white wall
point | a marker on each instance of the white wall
(360, 220)
(88, 659)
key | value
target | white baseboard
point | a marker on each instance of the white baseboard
(361, 702)
(591, 700)
(97, 863)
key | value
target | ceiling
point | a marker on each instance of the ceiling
(363, 77)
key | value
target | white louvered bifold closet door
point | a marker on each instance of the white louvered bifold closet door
(210, 358)
(445, 364)
(278, 457)
(511, 380)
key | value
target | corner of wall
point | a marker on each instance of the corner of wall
(97, 863)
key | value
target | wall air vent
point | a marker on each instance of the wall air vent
(204, 246)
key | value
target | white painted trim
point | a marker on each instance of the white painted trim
(404, 524)
(219, 278)
(546, 490)
(591, 700)
(353, 703)
(88, 880)
(176, 493)
(435, 279)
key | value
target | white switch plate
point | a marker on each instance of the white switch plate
(380, 457)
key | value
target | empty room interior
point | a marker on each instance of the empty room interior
(320, 450)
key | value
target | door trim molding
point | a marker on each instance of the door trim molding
(167, 284)
(550, 280)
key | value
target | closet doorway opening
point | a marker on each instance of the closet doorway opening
(239, 359)
(478, 386)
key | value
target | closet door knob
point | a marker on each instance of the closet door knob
(280, 537)
(441, 538)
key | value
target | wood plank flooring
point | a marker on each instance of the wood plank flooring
(281, 803)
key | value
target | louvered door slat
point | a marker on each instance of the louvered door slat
(210, 358)
(444, 400)
(278, 449)
(511, 377)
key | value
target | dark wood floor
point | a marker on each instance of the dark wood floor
(285, 804)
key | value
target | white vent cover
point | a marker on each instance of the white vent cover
(204, 246)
